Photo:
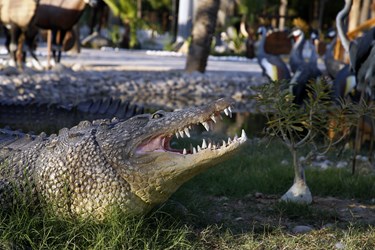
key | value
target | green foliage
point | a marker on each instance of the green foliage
(298, 126)
(127, 10)
(124, 9)
(159, 4)
(115, 35)
(237, 40)
(252, 8)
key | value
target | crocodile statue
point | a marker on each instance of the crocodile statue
(50, 118)
(95, 166)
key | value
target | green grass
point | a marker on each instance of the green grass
(22, 228)
(259, 168)
(188, 220)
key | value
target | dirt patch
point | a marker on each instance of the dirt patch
(259, 211)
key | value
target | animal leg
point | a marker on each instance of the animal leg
(7, 38)
(31, 35)
(20, 54)
(31, 45)
(54, 46)
(60, 44)
(15, 34)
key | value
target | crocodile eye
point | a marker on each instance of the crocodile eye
(157, 116)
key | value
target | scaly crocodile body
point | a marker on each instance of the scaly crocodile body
(50, 118)
(94, 166)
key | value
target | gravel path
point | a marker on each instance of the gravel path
(82, 79)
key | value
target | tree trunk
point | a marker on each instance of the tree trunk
(315, 12)
(354, 15)
(174, 20)
(322, 4)
(282, 13)
(202, 33)
(125, 41)
(139, 9)
(365, 11)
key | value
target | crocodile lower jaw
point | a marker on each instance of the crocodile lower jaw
(161, 143)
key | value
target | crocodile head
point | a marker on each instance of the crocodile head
(140, 149)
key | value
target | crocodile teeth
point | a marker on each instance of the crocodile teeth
(204, 144)
(224, 144)
(206, 126)
(235, 137)
(229, 140)
(194, 150)
(213, 118)
(226, 111)
(187, 132)
(181, 133)
(209, 145)
(184, 152)
(199, 148)
(177, 135)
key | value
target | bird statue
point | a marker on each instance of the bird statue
(332, 65)
(296, 57)
(344, 82)
(273, 67)
(361, 52)
(343, 85)
(306, 71)
(305, 74)
(362, 55)
(363, 63)
(312, 43)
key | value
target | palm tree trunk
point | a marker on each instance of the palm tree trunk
(365, 11)
(354, 15)
(125, 41)
(203, 31)
(282, 13)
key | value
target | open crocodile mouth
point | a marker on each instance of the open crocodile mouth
(162, 143)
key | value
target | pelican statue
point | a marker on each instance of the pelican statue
(362, 55)
(273, 67)
(296, 57)
(361, 52)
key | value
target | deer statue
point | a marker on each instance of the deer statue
(16, 16)
(59, 17)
